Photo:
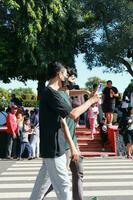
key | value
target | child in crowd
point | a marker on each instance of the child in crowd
(26, 130)
(128, 136)
(34, 139)
(103, 132)
(92, 116)
(20, 120)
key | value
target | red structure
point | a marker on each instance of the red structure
(89, 147)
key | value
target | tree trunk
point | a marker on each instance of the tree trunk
(41, 86)
(127, 65)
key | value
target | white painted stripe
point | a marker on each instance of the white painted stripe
(26, 165)
(108, 171)
(85, 168)
(91, 159)
(84, 164)
(87, 177)
(107, 164)
(101, 160)
(102, 193)
(9, 173)
(85, 184)
(19, 178)
(107, 184)
(28, 162)
(17, 195)
(35, 172)
(20, 173)
(17, 186)
(111, 177)
(14, 195)
(108, 167)
(23, 169)
(109, 193)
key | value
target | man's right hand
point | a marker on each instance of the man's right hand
(75, 154)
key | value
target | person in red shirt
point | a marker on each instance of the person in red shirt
(12, 131)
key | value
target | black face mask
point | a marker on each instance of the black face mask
(71, 85)
(65, 82)
(68, 84)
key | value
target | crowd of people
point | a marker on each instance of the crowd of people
(51, 127)
(22, 134)
(100, 115)
(111, 104)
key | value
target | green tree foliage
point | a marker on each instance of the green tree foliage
(94, 80)
(34, 32)
(108, 34)
(17, 39)
(24, 93)
(21, 93)
(4, 92)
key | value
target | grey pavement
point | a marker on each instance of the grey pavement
(106, 178)
(4, 164)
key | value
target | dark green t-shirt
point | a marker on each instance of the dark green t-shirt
(70, 122)
(52, 108)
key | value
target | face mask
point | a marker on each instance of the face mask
(65, 82)
(70, 85)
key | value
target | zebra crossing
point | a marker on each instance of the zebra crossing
(104, 178)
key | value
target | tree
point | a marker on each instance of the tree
(24, 93)
(108, 34)
(34, 32)
(128, 90)
(4, 93)
(94, 80)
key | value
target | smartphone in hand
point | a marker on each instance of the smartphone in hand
(100, 88)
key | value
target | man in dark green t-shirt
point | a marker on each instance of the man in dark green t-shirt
(75, 166)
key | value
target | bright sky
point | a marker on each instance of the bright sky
(121, 81)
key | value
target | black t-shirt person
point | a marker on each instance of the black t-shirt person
(52, 108)
(108, 99)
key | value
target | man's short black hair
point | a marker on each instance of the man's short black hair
(109, 81)
(71, 71)
(53, 68)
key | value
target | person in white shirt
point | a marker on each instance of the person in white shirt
(92, 116)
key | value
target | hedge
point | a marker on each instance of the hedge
(29, 103)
